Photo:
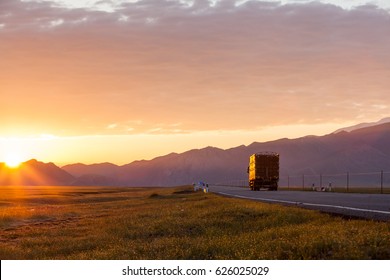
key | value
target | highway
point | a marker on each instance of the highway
(367, 206)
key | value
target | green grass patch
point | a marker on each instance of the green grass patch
(174, 223)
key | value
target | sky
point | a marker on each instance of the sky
(117, 81)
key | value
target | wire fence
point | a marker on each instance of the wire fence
(375, 182)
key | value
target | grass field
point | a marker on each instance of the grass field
(173, 223)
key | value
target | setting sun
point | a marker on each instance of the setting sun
(14, 150)
(13, 160)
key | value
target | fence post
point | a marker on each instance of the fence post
(320, 181)
(347, 181)
(303, 181)
(382, 181)
(288, 182)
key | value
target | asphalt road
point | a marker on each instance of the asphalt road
(368, 206)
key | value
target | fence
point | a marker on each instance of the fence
(378, 182)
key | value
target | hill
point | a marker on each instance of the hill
(361, 150)
(105, 169)
(363, 125)
(34, 172)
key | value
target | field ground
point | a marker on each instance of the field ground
(173, 223)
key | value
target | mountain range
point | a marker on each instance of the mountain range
(358, 149)
(363, 125)
(34, 172)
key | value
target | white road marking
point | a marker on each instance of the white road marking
(309, 204)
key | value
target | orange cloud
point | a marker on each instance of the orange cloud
(80, 71)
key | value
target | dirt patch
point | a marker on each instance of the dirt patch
(183, 192)
(155, 195)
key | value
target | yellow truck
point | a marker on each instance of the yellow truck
(264, 171)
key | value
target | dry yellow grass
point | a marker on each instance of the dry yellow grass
(173, 223)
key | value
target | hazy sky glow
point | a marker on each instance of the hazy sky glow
(92, 81)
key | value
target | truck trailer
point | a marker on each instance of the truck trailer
(264, 171)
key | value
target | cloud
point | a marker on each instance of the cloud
(209, 67)
(112, 126)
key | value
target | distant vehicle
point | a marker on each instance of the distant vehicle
(264, 171)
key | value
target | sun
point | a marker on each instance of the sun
(13, 160)
(13, 151)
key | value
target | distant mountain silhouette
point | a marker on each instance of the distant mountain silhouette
(34, 172)
(361, 150)
(105, 169)
(363, 125)
(94, 180)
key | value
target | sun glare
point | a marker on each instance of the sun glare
(13, 161)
